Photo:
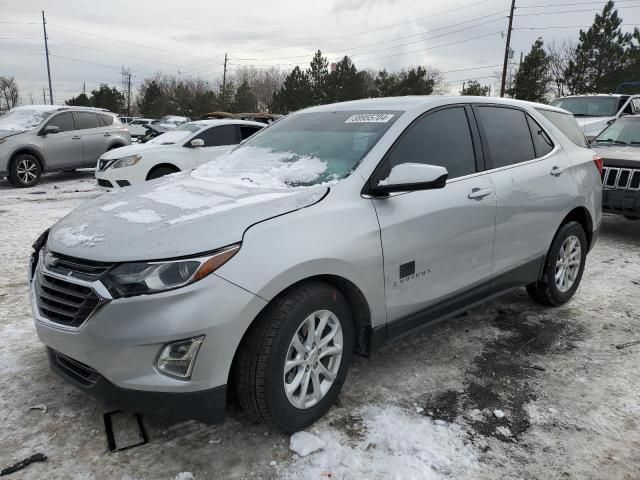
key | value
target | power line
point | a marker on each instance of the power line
(96, 63)
(462, 7)
(571, 4)
(570, 26)
(533, 14)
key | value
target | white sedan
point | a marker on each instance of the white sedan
(188, 146)
(136, 127)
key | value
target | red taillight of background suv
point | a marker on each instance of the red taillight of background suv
(599, 161)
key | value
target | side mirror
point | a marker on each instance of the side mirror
(50, 129)
(196, 142)
(410, 177)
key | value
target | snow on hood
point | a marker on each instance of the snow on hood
(617, 152)
(190, 212)
(24, 118)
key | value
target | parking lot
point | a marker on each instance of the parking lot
(427, 406)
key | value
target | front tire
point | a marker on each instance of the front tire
(292, 364)
(563, 267)
(25, 171)
(161, 172)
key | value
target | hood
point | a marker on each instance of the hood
(189, 212)
(11, 133)
(618, 152)
(138, 148)
(591, 126)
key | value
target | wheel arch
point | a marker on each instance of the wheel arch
(583, 217)
(30, 151)
(162, 165)
(116, 144)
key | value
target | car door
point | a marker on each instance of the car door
(217, 140)
(63, 149)
(534, 189)
(95, 137)
(437, 244)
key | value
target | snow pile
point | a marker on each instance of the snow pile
(76, 236)
(112, 206)
(184, 476)
(498, 413)
(394, 444)
(141, 216)
(304, 443)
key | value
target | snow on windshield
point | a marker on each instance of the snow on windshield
(174, 136)
(19, 119)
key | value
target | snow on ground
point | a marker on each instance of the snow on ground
(424, 407)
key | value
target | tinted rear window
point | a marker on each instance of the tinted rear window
(541, 140)
(87, 120)
(106, 119)
(507, 134)
(566, 124)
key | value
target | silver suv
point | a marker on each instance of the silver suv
(48, 138)
(330, 232)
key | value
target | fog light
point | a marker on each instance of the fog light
(177, 358)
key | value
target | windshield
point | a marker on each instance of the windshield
(312, 148)
(624, 131)
(23, 119)
(588, 106)
(176, 135)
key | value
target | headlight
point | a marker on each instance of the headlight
(126, 161)
(143, 278)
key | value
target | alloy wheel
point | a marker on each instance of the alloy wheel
(313, 359)
(27, 171)
(568, 263)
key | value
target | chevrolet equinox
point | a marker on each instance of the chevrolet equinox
(328, 233)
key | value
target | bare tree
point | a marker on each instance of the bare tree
(560, 54)
(9, 92)
(440, 86)
(263, 82)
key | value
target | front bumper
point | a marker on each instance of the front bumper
(207, 406)
(119, 343)
(623, 202)
(120, 177)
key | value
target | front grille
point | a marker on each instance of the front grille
(621, 178)
(78, 371)
(64, 302)
(104, 183)
(76, 267)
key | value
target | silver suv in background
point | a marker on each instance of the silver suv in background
(330, 232)
(48, 138)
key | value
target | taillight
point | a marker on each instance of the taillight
(599, 161)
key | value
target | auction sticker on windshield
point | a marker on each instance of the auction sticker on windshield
(369, 118)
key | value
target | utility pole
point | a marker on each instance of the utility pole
(224, 73)
(126, 86)
(44, 96)
(507, 47)
(84, 88)
(46, 51)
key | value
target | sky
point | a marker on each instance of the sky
(90, 42)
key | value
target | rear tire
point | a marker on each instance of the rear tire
(631, 217)
(563, 267)
(293, 362)
(25, 171)
(161, 172)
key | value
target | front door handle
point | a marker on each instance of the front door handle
(76, 137)
(107, 134)
(480, 193)
(557, 170)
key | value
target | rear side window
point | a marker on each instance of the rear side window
(440, 138)
(106, 119)
(508, 135)
(87, 120)
(63, 121)
(567, 124)
(246, 132)
(541, 141)
(217, 136)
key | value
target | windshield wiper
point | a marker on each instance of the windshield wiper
(611, 140)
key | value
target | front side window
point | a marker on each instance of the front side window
(87, 120)
(440, 138)
(507, 134)
(219, 136)
(624, 131)
(63, 121)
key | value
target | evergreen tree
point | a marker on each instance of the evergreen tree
(318, 74)
(150, 101)
(345, 83)
(107, 97)
(294, 94)
(472, 87)
(225, 97)
(533, 78)
(244, 100)
(80, 101)
(415, 81)
(601, 55)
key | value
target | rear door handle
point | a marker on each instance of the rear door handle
(557, 170)
(107, 134)
(480, 193)
(76, 137)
